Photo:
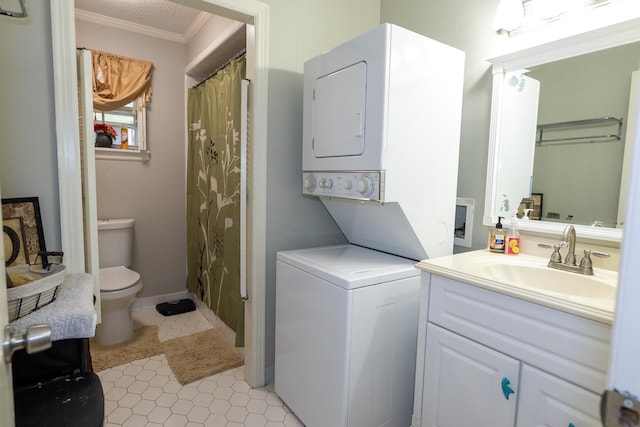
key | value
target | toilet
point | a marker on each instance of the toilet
(119, 286)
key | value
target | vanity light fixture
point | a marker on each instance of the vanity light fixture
(509, 16)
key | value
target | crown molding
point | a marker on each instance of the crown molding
(133, 27)
(196, 25)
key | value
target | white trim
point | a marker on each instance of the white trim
(97, 18)
(258, 197)
(68, 134)
(90, 208)
(118, 154)
(195, 26)
(147, 302)
(244, 111)
(590, 41)
(63, 35)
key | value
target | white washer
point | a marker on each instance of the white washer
(346, 327)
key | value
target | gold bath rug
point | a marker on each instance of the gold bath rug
(200, 355)
(145, 343)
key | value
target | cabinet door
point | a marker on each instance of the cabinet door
(467, 384)
(546, 400)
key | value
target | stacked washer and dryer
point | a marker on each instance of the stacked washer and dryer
(381, 138)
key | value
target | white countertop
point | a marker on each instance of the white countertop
(468, 268)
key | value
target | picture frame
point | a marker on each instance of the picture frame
(533, 202)
(15, 252)
(536, 199)
(27, 210)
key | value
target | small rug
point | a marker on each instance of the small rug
(200, 355)
(144, 344)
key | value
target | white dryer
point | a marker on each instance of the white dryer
(381, 129)
(346, 330)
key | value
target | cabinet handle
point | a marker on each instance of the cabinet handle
(571, 425)
(506, 390)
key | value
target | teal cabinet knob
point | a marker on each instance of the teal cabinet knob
(571, 425)
(506, 390)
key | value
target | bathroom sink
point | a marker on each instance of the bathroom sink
(540, 277)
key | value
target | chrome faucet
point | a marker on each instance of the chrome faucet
(569, 264)
(569, 236)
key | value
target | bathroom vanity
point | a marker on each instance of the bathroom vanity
(511, 352)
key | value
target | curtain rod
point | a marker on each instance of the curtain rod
(238, 55)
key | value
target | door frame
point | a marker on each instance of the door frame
(69, 171)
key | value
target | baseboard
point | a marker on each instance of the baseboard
(146, 302)
(226, 331)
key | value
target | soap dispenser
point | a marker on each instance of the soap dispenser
(497, 237)
(512, 244)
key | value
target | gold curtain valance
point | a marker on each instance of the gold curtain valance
(118, 80)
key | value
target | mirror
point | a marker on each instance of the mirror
(570, 172)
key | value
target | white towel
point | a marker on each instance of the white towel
(70, 315)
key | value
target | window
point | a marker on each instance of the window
(129, 123)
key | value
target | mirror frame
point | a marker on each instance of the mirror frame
(586, 42)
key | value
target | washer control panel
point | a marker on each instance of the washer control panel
(365, 185)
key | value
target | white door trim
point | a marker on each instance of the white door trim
(66, 110)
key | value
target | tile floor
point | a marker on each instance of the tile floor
(146, 393)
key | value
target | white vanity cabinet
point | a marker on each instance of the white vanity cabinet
(488, 359)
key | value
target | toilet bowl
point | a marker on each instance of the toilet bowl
(119, 288)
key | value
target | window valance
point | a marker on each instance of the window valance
(118, 80)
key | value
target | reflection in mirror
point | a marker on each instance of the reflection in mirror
(578, 161)
(575, 172)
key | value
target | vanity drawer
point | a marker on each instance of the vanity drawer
(562, 344)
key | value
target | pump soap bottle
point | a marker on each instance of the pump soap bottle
(496, 239)
(512, 245)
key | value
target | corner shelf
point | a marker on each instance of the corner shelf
(579, 124)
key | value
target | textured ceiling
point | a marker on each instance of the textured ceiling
(160, 14)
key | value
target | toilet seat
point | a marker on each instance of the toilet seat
(119, 278)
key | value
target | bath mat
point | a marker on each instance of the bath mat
(145, 343)
(200, 355)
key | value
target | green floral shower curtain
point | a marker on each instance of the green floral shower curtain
(213, 195)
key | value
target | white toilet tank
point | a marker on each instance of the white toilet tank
(115, 242)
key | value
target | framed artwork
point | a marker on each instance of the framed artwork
(534, 202)
(21, 219)
(15, 252)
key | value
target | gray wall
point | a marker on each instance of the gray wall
(299, 31)
(28, 152)
(466, 25)
(153, 193)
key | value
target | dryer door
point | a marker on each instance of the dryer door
(339, 112)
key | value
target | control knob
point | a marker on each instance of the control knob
(365, 185)
(326, 183)
(309, 182)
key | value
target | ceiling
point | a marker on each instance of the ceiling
(168, 20)
(162, 15)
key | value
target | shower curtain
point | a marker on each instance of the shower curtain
(213, 195)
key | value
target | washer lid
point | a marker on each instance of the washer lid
(117, 278)
(350, 266)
